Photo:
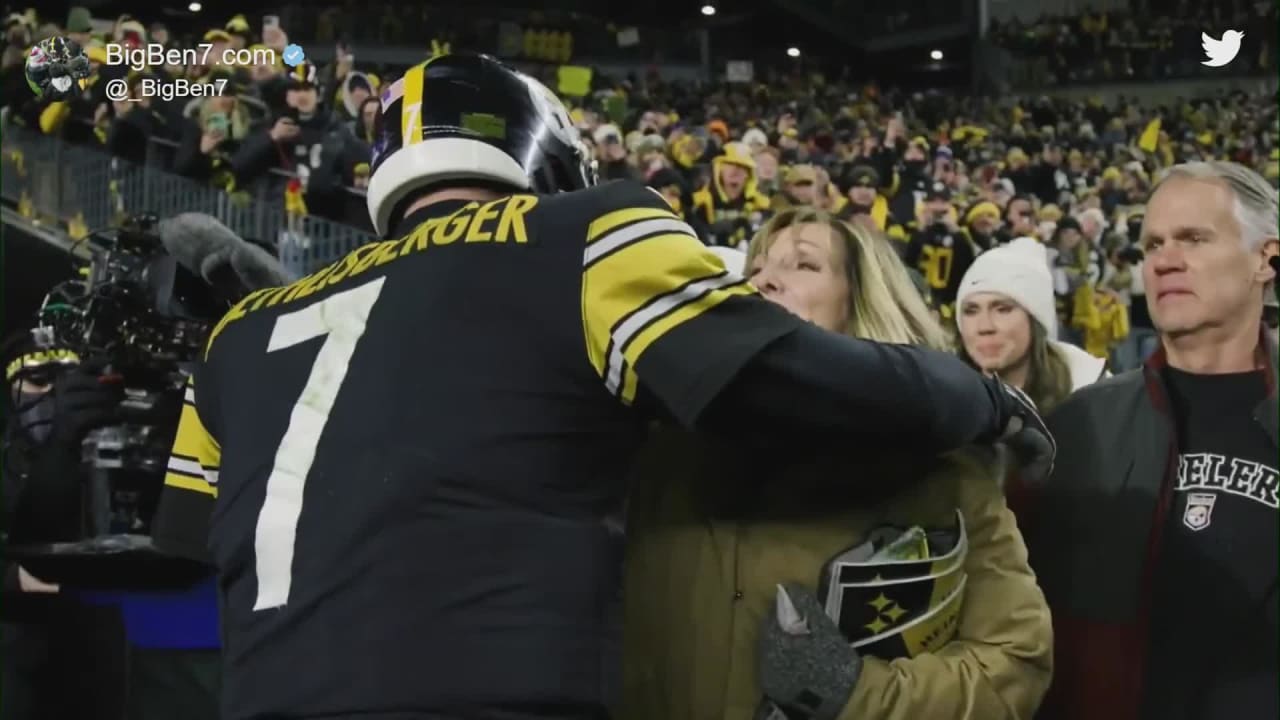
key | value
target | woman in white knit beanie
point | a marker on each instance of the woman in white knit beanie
(1009, 325)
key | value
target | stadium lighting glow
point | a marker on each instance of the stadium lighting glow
(194, 7)
(793, 52)
(708, 10)
(935, 54)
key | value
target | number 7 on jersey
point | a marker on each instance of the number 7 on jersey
(341, 319)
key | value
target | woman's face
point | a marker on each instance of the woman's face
(766, 166)
(996, 331)
(1069, 239)
(803, 192)
(369, 113)
(986, 224)
(803, 270)
(733, 178)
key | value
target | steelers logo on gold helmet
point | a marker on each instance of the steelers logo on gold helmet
(899, 592)
(467, 118)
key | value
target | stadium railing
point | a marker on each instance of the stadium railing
(80, 189)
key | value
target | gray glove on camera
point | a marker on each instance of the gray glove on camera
(807, 668)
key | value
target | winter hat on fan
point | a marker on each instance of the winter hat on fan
(1019, 270)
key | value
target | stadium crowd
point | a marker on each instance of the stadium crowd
(1039, 199)
(1143, 42)
(923, 167)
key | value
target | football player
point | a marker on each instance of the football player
(407, 466)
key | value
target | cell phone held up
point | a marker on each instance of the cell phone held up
(218, 123)
(343, 51)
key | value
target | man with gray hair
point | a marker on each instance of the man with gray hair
(1093, 224)
(1155, 537)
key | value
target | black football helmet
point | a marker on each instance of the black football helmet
(468, 117)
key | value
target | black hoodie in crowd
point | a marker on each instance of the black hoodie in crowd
(913, 182)
(302, 156)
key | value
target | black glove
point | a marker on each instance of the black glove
(47, 502)
(83, 400)
(807, 667)
(1022, 430)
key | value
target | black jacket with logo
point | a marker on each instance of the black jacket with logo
(1095, 531)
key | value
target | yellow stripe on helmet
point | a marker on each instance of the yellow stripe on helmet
(411, 110)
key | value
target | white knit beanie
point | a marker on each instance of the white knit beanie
(1019, 270)
(603, 132)
(755, 136)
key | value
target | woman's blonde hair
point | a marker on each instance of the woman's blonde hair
(884, 304)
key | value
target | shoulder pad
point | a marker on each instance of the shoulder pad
(620, 194)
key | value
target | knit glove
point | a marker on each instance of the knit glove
(807, 668)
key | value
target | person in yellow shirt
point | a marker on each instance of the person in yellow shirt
(1102, 318)
(728, 209)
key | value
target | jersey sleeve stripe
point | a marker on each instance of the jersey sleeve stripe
(629, 234)
(184, 473)
(612, 353)
(185, 466)
(195, 457)
(184, 482)
(634, 334)
(606, 224)
(641, 289)
(191, 468)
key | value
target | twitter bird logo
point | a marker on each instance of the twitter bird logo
(1221, 52)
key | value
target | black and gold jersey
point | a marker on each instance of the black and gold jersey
(410, 462)
(943, 257)
(193, 467)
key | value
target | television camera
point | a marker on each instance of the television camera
(137, 309)
(141, 311)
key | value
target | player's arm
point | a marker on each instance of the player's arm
(181, 525)
(660, 312)
(816, 381)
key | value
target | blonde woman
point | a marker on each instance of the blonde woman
(1009, 326)
(953, 627)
